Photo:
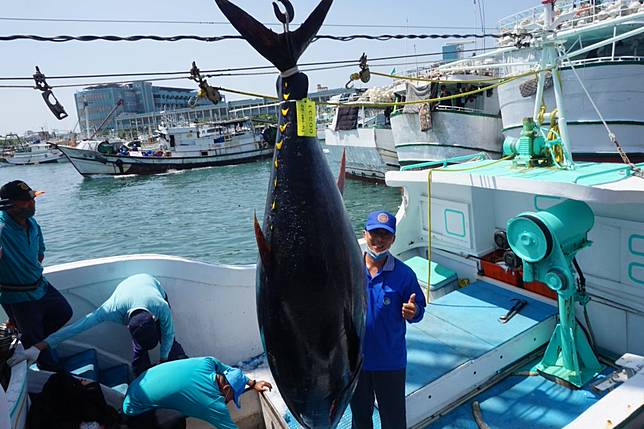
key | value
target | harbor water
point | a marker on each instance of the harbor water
(204, 214)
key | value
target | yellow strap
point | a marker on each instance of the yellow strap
(429, 210)
(503, 81)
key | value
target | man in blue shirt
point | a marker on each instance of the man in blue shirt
(197, 387)
(393, 297)
(33, 305)
(139, 302)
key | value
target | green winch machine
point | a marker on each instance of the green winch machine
(534, 148)
(547, 242)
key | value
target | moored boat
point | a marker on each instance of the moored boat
(365, 136)
(602, 43)
(443, 130)
(36, 153)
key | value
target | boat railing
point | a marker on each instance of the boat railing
(448, 108)
(570, 14)
(611, 59)
(481, 156)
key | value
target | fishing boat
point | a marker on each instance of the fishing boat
(36, 153)
(510, 253)
(234, 141)
(602, 44)
(365, 135)
(440, 130)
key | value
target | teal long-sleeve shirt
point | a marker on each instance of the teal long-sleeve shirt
(187, 385)
(21, 251)
(137, 292)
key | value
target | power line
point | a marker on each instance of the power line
(219, 72)
(136, 38)
(272, 24)
(185, 77)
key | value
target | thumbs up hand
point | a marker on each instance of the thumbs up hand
(409, 308)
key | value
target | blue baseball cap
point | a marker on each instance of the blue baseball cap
(381, 220)
(237, 381)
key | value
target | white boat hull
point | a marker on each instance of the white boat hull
(453, 134)
(618, 90)
(93, 163)
(370, 152)
(34, 159)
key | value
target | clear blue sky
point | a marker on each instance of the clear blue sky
(24, 109)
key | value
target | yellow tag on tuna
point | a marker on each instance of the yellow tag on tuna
(306, 126)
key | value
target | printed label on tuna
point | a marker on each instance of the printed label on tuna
(306, 126)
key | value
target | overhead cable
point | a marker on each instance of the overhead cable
(136, 38)
(272, 24)
(350, 62)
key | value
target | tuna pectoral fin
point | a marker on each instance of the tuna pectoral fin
(343, 171)
(282, 50)
(262, 244)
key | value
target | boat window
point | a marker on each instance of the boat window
(172, 144)
(204, 153)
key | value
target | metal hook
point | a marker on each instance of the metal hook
(205, 90)
(363, 75)
(56, 108)
(287, 17)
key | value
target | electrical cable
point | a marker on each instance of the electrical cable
(139, 37)
(273, 24)
(351, 62)
(582, 288)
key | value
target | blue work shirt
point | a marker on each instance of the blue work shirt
(186, 385)
(21, 251)
(385, 348)
(137, 292)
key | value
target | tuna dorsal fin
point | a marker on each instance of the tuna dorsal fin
(282, 50)
(262, 244)
(343, 171)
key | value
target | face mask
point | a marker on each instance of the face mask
(377, 256)
(26, 212)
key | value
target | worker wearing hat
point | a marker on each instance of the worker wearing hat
(33, 305)
(196, 387)
(394, 298)
(140, 303)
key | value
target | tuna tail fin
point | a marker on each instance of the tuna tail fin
(262, 244)
(343, 171)
(282, 50)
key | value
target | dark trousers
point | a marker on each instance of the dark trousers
(158, 419)
(388, 387)
(36, 320)
(141, 358)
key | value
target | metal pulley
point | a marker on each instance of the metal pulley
(364, 75)
(205, 90)
(56, 108)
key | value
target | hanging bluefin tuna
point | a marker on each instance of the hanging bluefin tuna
(310, 275)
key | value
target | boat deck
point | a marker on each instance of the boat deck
(523, 401)
(460, 344)
(589, 181)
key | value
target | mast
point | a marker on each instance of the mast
(550, 60)
(86, 117)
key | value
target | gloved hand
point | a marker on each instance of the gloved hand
(20, 354)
